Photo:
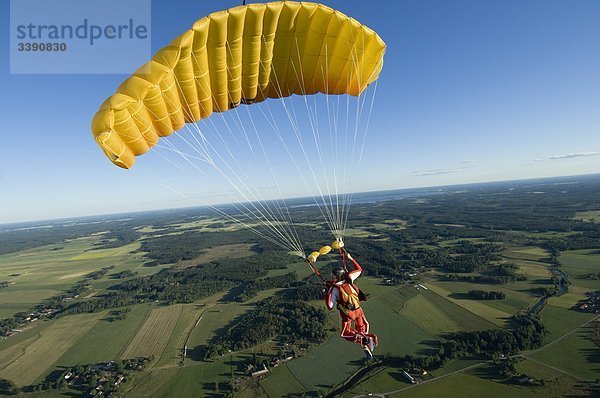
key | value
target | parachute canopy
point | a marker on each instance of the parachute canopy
(239, 56)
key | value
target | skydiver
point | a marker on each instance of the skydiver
(343, 293)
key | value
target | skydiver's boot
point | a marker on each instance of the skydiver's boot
(375, 341)
(369, 345)
(369, 341)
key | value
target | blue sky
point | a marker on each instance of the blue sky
(471, 91)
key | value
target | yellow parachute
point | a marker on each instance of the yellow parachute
(238, 56)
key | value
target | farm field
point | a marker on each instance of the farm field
(531, 253)
(199, 380)
(516, 299)
(576, 354)
(386, 379)
(216, 314)
(437, 315)
(281, 383)
(452, 242)
(559, 321)
(232, 251)
(297, 266)
(487, 313)
(569, 300)
(592, 215)
(326, 365)
(172, 354)
(40, 273)
(106, 340)
(154, 335)
(150, 382)
(577, 263)
(556, 384)
(469, 387)
(39, 354)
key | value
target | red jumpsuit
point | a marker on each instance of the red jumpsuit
(354, 322)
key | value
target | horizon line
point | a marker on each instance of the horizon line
(128, 213)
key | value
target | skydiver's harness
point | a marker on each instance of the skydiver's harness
(349, 292)
(349, 297)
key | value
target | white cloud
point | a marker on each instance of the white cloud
(574, 155)
(468, 161)
(569, 156)
(435, 172)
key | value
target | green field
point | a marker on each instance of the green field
(326, 365)
(465, 386)
(559, 321)
(531, 253)
(592, 215)
(577, 263)
(556, 384)
(386, 379)
(570, 299)
(281, 383)
(489, 317)
(216, 314)
(105, 340)
(153, 336)
(576, 354)
(430, 312)
(150, 382)
(172, 354)
(37, 355)
(40, 273)
(452, 242)
(516, 299)
(197, 380)
(390, 379)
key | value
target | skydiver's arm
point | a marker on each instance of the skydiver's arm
(355, 273)
(331, 297)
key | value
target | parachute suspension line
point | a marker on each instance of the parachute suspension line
(343, 258)
(347, 198)
(273, 122)
(265, 213)
(333, 208)
(366, 131)
(332, 141)
(166, 185)
(289, 244)
(358, 122)
(267, 220)
(293, 121)
(282, 209)
(315, 134)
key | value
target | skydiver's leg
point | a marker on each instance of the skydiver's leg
(354, 326)
(362, 326)
(347, 332)
(360, 322)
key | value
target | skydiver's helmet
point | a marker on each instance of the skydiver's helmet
(339, 273)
